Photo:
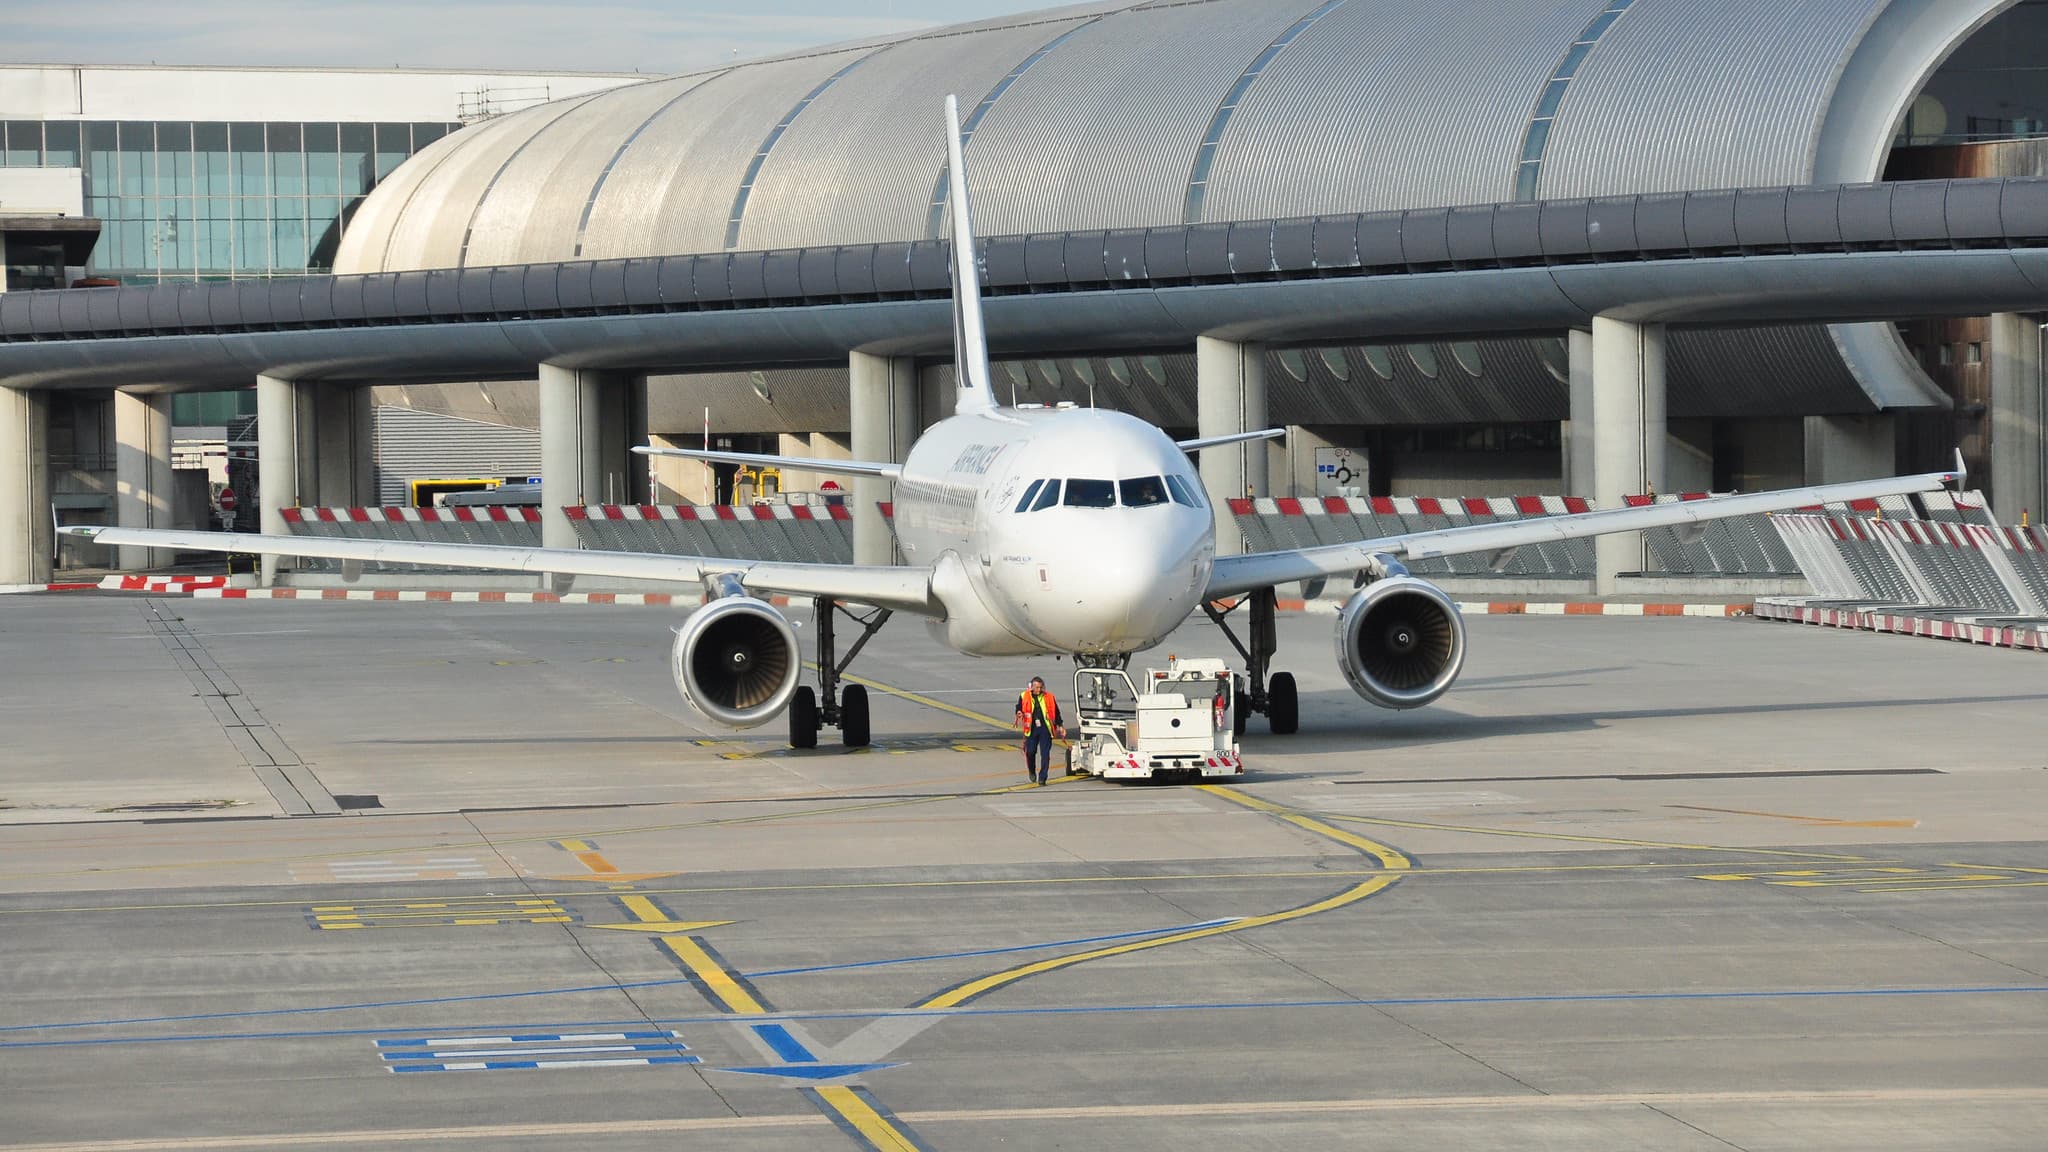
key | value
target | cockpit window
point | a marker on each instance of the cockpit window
(1183, 492)
(1091, 494)
(1142, 491)
(1024, 501)
(1047, 496)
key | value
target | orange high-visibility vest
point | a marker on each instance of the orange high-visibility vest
(1048, 709)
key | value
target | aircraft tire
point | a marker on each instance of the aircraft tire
(853, 716)
(803, 719)
(1283, 704)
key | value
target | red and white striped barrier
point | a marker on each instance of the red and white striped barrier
(441, 596)
(13, 589)
(395, 515)
(161, 584)
(1408, 506)
(744, 512)
(2028, 637)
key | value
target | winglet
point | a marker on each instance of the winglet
(970, 341)
(1962, 476)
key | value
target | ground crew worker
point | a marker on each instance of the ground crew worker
(1038, 717)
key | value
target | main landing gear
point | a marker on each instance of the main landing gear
(1276, 697)
(843, 708)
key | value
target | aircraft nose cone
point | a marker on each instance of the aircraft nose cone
(1128, 592)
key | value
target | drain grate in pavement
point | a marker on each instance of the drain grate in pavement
(353, 803)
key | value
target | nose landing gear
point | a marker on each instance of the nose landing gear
(831, 705)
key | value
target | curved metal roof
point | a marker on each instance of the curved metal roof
(1315, 108)
(1106, 115)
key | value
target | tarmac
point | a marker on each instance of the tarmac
(282, 874)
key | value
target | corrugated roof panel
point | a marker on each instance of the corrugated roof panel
(672, 191)
(1690, 96)
(368, 234)
(431, 224)
(1390, 104)
(1101, 132)
(532, 212)
(857, 167)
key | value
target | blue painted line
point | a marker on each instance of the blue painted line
(812, 1071)
(368, 1004)
(484, 996)
(785, 1045)
(995, 951)
(1110, 1009)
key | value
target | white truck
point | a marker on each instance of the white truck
(1181, 722)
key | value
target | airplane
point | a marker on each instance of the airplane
(1030, 530)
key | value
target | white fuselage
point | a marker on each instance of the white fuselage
(1109, 565)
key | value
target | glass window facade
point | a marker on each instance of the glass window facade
(183, 200)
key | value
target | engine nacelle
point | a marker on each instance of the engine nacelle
(736, 661)
(1401, 642)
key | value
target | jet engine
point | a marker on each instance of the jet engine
(1400, 642)
(736, 661)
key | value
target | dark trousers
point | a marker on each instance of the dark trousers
(1039, 742)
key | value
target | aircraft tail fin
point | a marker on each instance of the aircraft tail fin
(975, 390)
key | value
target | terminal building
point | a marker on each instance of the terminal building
(1119, 119)
(143, 175)
(1132, 115)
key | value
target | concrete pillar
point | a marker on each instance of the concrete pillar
(26, 533)
(142, 472)
(1841, 448)
(1628, 433)
(1230, 396)
(1578, 431)
(883, 393)
(571, 450)
(2019, 445)
(337, 446)
(277, 460)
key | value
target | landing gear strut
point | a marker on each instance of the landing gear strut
(1277, 699)
(831, 706)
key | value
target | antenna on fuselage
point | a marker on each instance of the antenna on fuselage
(975, 392)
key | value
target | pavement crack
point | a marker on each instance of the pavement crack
(1695, 1127)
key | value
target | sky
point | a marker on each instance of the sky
(653, 36)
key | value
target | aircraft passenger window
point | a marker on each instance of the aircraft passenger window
(1143, 492)
(1183, 492)
(1025, 501)
(1047, 496)
(1091, 494)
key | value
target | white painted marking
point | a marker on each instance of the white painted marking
(1130, 806)
(1403, 801)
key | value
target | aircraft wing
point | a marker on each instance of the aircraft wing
(1230, 438)
(1238, 574)
(802, 463)
(906, 589)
